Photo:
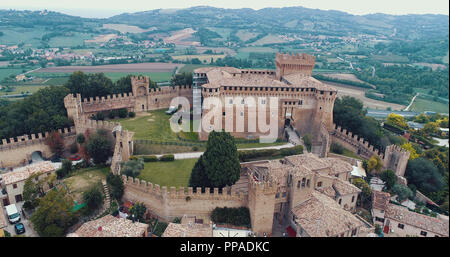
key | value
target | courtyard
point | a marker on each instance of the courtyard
(81, 180)
(175, 173)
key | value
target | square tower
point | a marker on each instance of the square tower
(294, 64)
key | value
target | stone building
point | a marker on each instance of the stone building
(274, 191)
(14, 181)
(398, 220)
(304, 103)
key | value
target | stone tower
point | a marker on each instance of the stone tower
(396, 159)
(73, 106)
(140, 88)
(261, 201)
(300, 186)
(294, 64)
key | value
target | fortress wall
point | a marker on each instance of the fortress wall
(170, 203)
(17, 151)
(354, 143)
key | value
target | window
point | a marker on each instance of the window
(14, 185)
(379, 219)
(303, 182)
(231, 101)
(283, 194)
(277, 195)
(298, 184)
(307, 183)
(340, 201)
(242, 114)
(319, 184)
(400, 225)
(242, 102)
(223, 113)
(353, 199)
(354, 232)
(300, 102)
(263, 101)
(423, 233)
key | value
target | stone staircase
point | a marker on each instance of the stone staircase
(106, 202)
(294, 138)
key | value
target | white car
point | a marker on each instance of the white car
(13, 213)
(172, 110)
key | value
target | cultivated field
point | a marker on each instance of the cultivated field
(101, 38)
(422, 105)
(125, 68)
(202, 57)
(124, 28)
(433, 66)
(344, 76)
(245, 35)
(269, 39)
(182, 37)
(358, 93)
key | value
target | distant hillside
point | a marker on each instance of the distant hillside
(312, 21)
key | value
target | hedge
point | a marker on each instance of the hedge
(167, 158)
(236, 216)
(253, 154)
(150, 158)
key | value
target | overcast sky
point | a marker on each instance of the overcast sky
(106, 8)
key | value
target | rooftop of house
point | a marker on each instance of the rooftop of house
(190, 229)
(337, 166)
(403, 215)
(344, 188)
(380, 200)
(110, 226)
(328, 191)
(25, 172)
(321, 216)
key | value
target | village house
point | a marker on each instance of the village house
(398, 220)
(12, 183)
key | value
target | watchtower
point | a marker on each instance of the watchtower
(396, 159)
(140, 88)
(294, 64)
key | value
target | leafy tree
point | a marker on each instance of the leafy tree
(402, 192)
(182, 79)
(413, 154)
(93, 197)
(138, 210)
(89, 85)
(198, 176)
(123, 113)
(32, 190)
(56, 143)
(54, 214)
(220, 162)
(132, 168)
(81, 139)
(431, 128)
(424, 175)
(115, 184)
(397, 120)
(374, 164)
(389, 178)
(99, 146)
(366, 191)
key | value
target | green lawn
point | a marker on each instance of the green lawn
(175, 173)
(421, 105)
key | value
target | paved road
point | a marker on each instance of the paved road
(191, 155)
(412, 101)
(29, 232)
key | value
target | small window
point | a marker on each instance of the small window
(242, 114)
(277, 195)
(340, 201)
(298, 184)
(243, 101)
(300, 102)
(354, 232)
(307, 183)
(263, 101)
(283, 194)
(319, 184)
(379, 219)
(303, 182)
(14, 185)
(231, 101)
(423, 233)
(353, 199)
(400, 225)
(223, 113)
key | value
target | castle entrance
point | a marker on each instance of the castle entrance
(36, 156)
(287, 122)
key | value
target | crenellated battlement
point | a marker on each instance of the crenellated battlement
(32, 139)
(114, 97)
(299, 58)
(181, 193)
(356, 142)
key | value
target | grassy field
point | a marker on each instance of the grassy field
(6, 72)
(202, 57)
(175, 173)
(83, 179)
(269, 39)
(421, 105)
(189, 68)
(245, 35)
(61, 77)
(24, 89)
(391, 58)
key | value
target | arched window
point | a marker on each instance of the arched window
(303, 182)
(307, 183)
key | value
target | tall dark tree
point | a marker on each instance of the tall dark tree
(220, 162)
(115, 184)
(424, 175)
(99, 147)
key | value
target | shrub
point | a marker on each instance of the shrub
(133, 168)
(235, 216)
(131, 114)
(93, 197)
(307, 140)
(111, 115)
(115, 184)
(123, 113)
(337, 148)
(195, 148)
(81, 139)
(99, 116)
(150, 158)
(167, 158)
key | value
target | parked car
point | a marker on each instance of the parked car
(19, 228)
(75, 157)
(172, 110)
(13, 213)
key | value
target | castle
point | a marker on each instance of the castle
(313, 193)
